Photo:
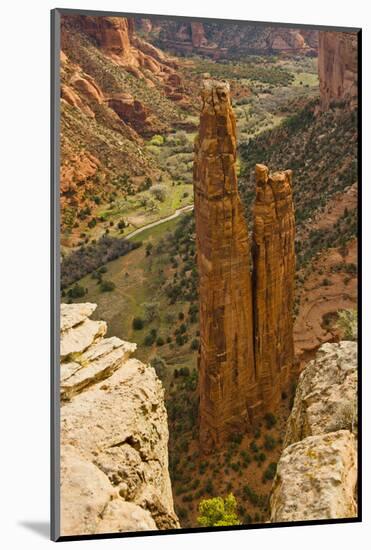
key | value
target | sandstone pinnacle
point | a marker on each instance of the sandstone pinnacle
(273, 281)
(246, 324)
(226, 358)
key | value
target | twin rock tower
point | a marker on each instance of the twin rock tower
(245, 292)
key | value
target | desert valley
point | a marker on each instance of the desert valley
(208, 199)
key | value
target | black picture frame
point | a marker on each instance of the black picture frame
(55, 279)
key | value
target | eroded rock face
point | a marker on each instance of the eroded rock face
(112, 34)
(72, 98)
(317, 473)
(96, 102)
(88, 88)
(286, 40)
(115, 36)
(218, 39)
(198, 34)
(273, 281)
(316, 479)
(132, 112)
(246, 331)
(326, 395)
(226, 359)
(114, 435)
(337, 67)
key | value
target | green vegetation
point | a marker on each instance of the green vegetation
(175, 156)
(77, 291)
(157, 140)
(159, 364)
(342, 231)
(251, 496)
(270, 420)
(269, 443)
(348, 323)
(138, 323)
(268, 74)
(150, 296)
(321, 150)
(218, 511)
(107, 286)
(270, 472)
(89, 258)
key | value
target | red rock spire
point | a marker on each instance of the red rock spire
(226, 359)
(246, 330)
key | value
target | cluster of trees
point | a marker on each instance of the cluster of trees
(266, 74)
(91, 257)
(218, 511)
(322, 152)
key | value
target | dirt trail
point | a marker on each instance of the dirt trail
(177, 213)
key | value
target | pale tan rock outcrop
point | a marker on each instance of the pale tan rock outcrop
(317, 473)
(326, 396)
(76, 339)
(74, 314)
(316, 479)
(114, 435)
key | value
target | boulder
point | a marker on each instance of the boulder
(316, 479)
(326, 395)
(316, 474)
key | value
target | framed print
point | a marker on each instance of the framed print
(205, 287)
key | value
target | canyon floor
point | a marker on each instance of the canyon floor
(150, 295)
(141, 278)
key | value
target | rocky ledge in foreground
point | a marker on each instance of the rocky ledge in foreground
(317, 473)
(114, 434)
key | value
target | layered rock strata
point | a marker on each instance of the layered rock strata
(317, 473)
(226, 358)
(116, 38)
(273, 281)
(114, 434)
(106, 113)
(337, 67)
(218, 40)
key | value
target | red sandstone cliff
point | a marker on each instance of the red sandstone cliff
(273, 281)
(337, 67)
(226, 360)
(215, 39)
(105, 113)
(116, 38)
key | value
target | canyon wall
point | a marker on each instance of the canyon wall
(220, 39)
(337, 67)
(273, 281)
(116, 39)
(114, 433)
(246, 331)
(116, 89)
(226, 360)
(317, 473)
